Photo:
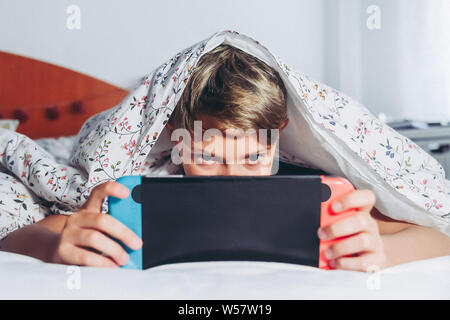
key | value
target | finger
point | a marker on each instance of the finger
(351, 225)
(362, 263)
(363, 200)
(96, 240)
(111, 226)
(362, 242)
(74, 255)
(100, 192)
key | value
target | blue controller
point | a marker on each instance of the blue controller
(129, 212)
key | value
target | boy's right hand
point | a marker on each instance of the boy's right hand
(85, 238)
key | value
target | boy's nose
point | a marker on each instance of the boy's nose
(232, 170)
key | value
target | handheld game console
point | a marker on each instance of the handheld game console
(258, 218)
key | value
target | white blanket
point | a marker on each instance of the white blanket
(22, 277)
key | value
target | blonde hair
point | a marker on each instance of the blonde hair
(235, 88)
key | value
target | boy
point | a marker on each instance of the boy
(229, 91)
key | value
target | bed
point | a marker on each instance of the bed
(53, 115)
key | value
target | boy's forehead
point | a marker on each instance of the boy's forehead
(220, 144)
(211, 125)
(229, 137)
(215, 134)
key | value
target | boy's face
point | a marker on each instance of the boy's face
(234, 153)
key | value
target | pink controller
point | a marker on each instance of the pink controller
(338, 188)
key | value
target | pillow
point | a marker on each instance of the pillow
(9, 124)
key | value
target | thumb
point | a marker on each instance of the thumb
(100, 192)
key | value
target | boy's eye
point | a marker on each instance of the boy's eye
(253, 158)
(206, 158)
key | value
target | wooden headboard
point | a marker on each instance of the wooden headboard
(48, 100)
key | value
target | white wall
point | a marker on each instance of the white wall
(403, 69)
(120, 41)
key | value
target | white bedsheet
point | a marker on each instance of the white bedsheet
(25, 277)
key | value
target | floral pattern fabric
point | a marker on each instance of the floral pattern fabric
(130, 139)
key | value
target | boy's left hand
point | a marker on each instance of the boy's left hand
(364, 244)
